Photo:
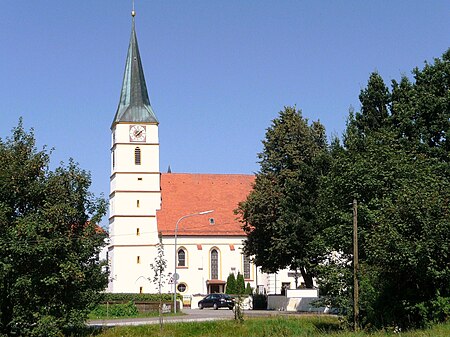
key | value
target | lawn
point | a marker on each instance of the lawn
(284, 326)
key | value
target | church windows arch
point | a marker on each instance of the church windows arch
(137, 156)
(214, 264)
(182, 257)
(247, 268)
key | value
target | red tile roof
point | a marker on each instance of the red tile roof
(184, 193)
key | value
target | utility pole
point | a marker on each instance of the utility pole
(355, 266)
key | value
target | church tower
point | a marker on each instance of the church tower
(135, 192)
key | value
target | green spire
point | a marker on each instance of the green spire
(134, 105)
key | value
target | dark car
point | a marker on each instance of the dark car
(216, 301)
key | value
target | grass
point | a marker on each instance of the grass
(282, 326)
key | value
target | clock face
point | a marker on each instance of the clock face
(137, 133)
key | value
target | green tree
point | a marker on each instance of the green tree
(248, 289)
(240, 284)
(231, 284)
(375, 101)
(398, 170)
(282, 204)
(50, 275)
(421, 109)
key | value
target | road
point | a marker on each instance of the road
(190, 315)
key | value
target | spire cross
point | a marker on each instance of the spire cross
(133, 13)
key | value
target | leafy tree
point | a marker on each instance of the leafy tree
(50, 275)
(282, 205)
(231, 284)
(374, 105)
(398, 170)
(421, 110)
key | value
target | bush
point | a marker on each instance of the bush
(231, 284)
(248, 289)
(120, 297)
(115, 310)
(240, 284)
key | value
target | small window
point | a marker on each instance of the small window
(139, 179)
(137, 156)
(138, 232)
(113, 159)
(181, 287)
(181, 258)
(137, 204)
(138, 259)
(141, 290)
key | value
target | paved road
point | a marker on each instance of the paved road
(190, 315)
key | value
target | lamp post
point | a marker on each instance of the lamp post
(175, 275)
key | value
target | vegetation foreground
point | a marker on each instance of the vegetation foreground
(267, 326)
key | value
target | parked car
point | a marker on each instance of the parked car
(216, 301)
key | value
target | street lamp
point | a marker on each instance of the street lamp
(175, 275)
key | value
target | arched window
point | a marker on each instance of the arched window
(181, 258)
(214, 264)
(137, 156)
(246, 267)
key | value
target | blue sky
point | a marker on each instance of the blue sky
(217, 72)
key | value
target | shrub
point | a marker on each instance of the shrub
(110, 297)
(231, 284)
(248, 289)
(115, 310)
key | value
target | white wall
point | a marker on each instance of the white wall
(134, 199)
(127, 275)
(197, 271)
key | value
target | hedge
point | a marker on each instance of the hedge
(126, 297)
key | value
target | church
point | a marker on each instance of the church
(194, 213)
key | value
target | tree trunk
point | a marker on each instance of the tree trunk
(307, 277)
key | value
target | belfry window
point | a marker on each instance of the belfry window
(137, 156)
(214, 264)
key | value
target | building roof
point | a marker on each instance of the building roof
(134, 105)
(184, 193)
